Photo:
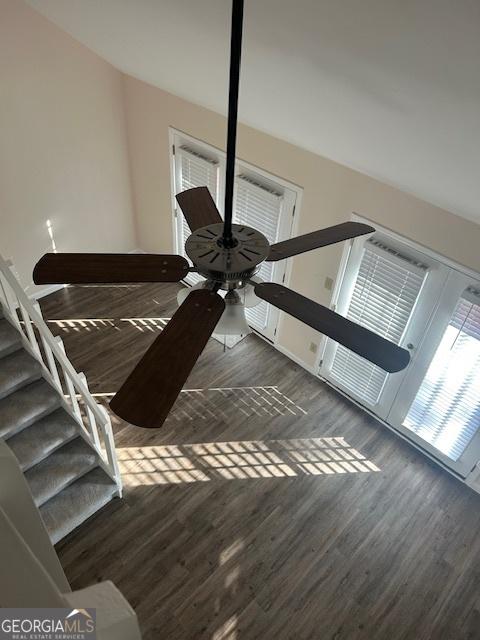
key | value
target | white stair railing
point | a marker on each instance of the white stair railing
(92, 418)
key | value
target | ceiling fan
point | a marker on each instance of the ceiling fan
(228, 256)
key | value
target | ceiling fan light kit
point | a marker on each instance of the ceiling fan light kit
(227, 255)
(233, 321)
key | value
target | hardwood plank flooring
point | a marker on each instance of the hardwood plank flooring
(268, 506)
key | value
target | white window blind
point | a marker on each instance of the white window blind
(446, 409)
(383, 297)
(259, 207)
(196, 170)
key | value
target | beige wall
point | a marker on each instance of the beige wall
(63, 153)
(331, 193)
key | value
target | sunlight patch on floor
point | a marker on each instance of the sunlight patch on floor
(227, 631)
(215, 403)
(240, 460)
(77, 325)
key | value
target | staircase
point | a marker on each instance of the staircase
(60, 436)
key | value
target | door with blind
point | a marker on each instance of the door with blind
(260, 201)
(434, 311)
(438, 405)
(391, 290)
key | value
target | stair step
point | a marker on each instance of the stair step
(25, 406)
(17, 370)
(10, 339)
(35, 443)
(60, 469)
(77, 502)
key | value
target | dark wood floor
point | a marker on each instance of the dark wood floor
(268, 506)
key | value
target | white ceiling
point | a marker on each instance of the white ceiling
(388, 87)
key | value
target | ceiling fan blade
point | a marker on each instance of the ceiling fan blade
(365, 343)
(149, 392)
(108, 268)
(317, 239)
(198, 207)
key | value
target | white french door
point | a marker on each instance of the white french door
(434, 311)
(438, 406)
(260, 201)
(391, 290)
(262, 206)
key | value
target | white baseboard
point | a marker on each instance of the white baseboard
(294, 358)
(473, 479)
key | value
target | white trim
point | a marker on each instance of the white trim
(173, 203)
(292, 357)
(284, 351)
(333, 301)
(251, 167)
(417, 246)
(287, 274)
(473, 479)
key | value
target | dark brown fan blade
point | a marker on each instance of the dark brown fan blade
(317, 239)
(148, 394)
(367, 344)
(198, 207)
(107, 268)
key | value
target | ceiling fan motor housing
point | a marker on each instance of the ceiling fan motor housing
(227, 265)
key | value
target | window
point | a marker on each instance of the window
(260, 201)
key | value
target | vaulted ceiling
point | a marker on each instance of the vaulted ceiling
(389, 88)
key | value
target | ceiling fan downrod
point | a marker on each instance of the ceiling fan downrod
(228, 239)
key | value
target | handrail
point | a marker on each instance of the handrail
(54, 352)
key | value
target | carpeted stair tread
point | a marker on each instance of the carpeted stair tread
(60, 469)
(17, 370)
(25, 406)
(77, 502)
(10, 339)
(38, 441)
